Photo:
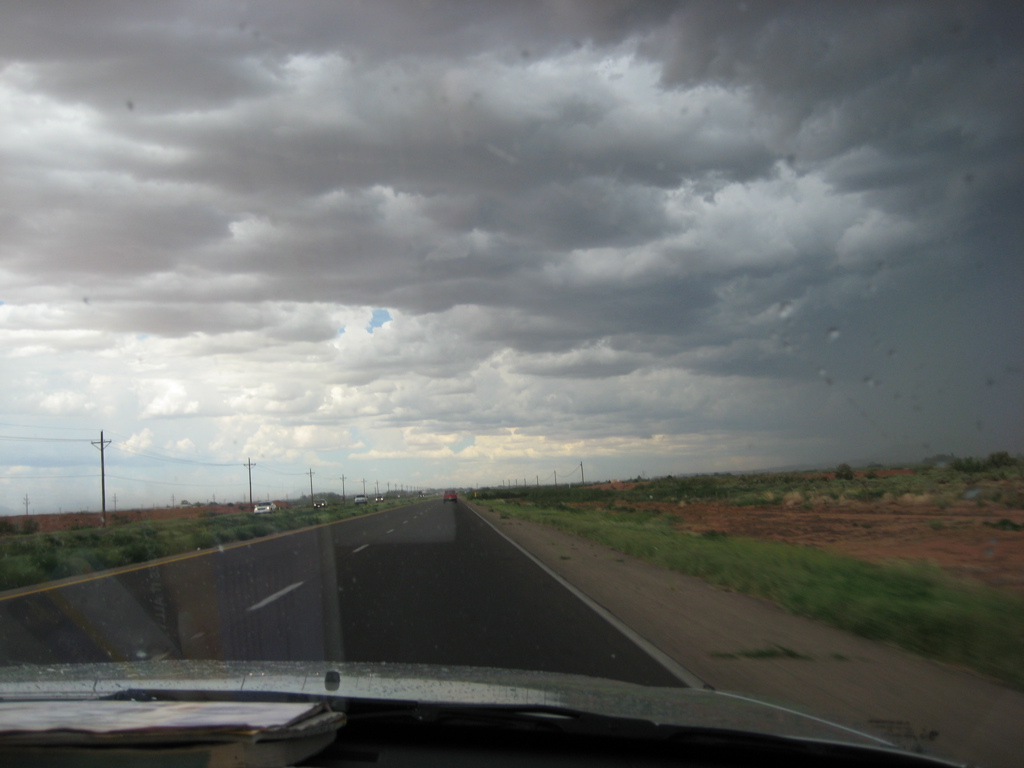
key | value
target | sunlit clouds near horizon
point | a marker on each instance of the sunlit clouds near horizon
(434, 244)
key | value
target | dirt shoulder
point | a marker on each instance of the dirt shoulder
(710, 631)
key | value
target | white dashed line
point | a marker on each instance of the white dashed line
(273, 597)
(360, 549)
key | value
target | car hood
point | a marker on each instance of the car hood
(446, 685)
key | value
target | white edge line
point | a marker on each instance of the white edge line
(360, 549)
(280, 593)
(682, 673)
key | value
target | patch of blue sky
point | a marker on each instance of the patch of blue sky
(380, 316)
(463, 444)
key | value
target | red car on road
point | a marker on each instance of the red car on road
(451, 496)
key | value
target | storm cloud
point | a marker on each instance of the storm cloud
(441, 244)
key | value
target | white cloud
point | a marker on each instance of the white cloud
(140, 441)
(165, 397)
(63, 403)
(595, 237)
(184, 446)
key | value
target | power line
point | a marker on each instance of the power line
(279, 472)
(174, 459)
(103, 443)
(44, 477)
(168, 482)
(121, 446)
(26, 439)
(577, 469)
(36, 426)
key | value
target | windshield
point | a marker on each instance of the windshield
(674, 344)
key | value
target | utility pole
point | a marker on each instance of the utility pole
(311, 486)
(364, 486)
(102, 444)
(26, 505)
(378, 486)
(248, 463)
(556, 477)
(538, 481)
(581, 473)
(342, 489)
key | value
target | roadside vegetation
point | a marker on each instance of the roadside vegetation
(986, 480)
(911, 604)
(28, 558)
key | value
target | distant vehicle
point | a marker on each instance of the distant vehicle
(451, 496)
(319, 503)
(379, 498)
(361, 499)
(264, 508)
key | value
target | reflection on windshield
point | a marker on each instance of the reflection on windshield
(215, 605)
(426, 584)
(258, 247)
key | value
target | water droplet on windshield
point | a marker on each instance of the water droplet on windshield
(833, 335)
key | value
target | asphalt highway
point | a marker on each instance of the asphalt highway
(431, 583)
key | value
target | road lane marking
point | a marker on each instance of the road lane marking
(72, 581)
(360, 549)
(391, 531)
(280, 593)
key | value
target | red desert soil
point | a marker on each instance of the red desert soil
(955, 538)
(70, 520)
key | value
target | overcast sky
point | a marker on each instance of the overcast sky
(442, 243)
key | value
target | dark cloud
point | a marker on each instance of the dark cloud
(779, 224)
